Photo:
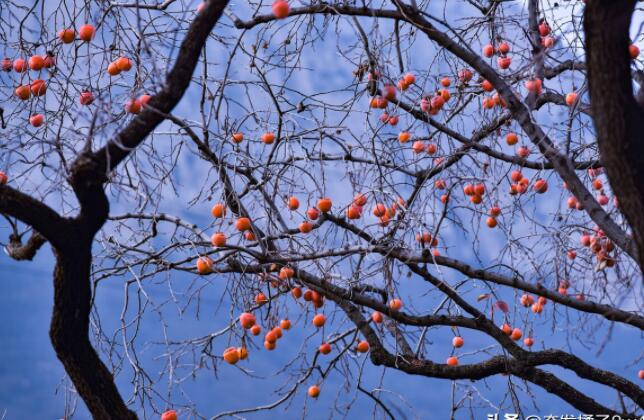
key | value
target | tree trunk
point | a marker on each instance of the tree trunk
(69, 334)
(618, 118)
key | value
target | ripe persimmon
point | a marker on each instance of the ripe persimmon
(86, 32)
(19, 65)
(113, 69)
(376, 317)
(504, 62)
(280, 9)
(319, 320)
(86, 98)
(314, 391)
(360, 200)
(67, 35)
(231, 355)
(305, 227)
(379, 210)
(452, 361)
(255, 330)
(285, 324)
(548, 42)
(324, 205)
(634, 51)
(526, 300)
(144, 99)
(418, 146)
(465, 75)
(516, 334)
(270, 337)
(296, 292)
(204, 265)
(169, 415)
(260, 298)
(488, 50)
(123, 63)
(247, 320)
(133, 106)
(325, 348)
(362, 347)
(286, 273)
(354, 212)
(23, 92)
(313, 213)
(457, 342)
(218, 239)
(237, 137)
(242, 224)
(3, 178)
(36, 120)
(523, 152)
(268, 138)
(278, 332)
(571, 98)
(242, 352)
(389, 92)
(540, 186)
(511, 139)
(38, 87)
(409, 79)
(293, 203)
(533, 85)
(36, 62)
(218, 210)
(395, 304)
(476, 199)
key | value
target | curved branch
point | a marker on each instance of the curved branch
(34, 213)
(20, 252)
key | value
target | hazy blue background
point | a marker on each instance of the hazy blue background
(30, 374)
(33, 385)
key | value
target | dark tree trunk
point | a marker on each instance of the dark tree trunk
(69, 334)
(618, 118)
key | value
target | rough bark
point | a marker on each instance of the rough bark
(69, 334)
(618, 118)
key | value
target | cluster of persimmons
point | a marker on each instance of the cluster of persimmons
(386, 94)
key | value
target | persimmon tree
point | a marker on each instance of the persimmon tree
(376, 174)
